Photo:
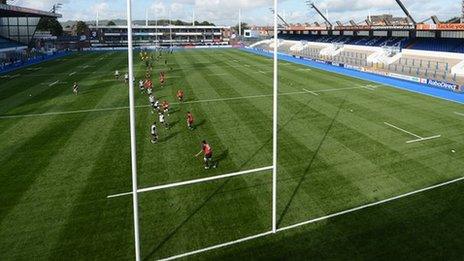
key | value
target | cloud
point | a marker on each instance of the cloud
(254, 11)
(39, 4)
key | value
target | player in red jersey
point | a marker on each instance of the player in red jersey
(162, 79)
(180, 95)
(190, 120)
(149, 86)
(165, 106)
(208, 155)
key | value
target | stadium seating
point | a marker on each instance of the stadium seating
(427, 44)
(5, 43)
(438, 45)
(366, 41)
(430, 67)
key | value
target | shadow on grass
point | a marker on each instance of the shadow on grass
(308, 168)
(173, 124)
(169, 137)
(201, 123)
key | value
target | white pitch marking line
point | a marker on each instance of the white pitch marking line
(419, 138)
(458, 113)
(5, 76)
(216, 74)
(247, 65)
(71, 74)
(14, 76)
(263, 72)
(405, 131)
(145, 106)
(313, 93)
(64, 112)
(372, 204)
(348, 211)
(54, 83)
(195, 181)
(217, 246)
(424, 139)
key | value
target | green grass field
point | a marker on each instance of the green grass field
(342, 144)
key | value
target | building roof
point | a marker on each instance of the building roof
(17, 11)
(160, 27)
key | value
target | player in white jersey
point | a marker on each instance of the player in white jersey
(116, 74)
(75, 88)
(141, 86)
(156, 106)
(162, 120)
(126, 78)
(154, 133)
(152, 101)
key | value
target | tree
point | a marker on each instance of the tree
(81, 28)
(111, 23)
(50, 24)
(205, 23)
(245, 26)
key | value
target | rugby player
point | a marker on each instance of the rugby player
(75, 88)
(207, 155)
(154, 133)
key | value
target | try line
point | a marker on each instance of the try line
(348, 211)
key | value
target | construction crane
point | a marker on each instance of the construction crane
(311, 5)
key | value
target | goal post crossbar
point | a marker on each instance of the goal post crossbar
(195, 181)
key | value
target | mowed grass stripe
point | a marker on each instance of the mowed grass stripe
(60, 97)
(47, 177)
(253, 108)
(28, 126)
(326, 163)
(95, 218)
(24, 85)
(178, 240)
(355, 136)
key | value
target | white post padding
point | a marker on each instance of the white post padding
(132, 131)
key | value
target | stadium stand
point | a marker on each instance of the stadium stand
(17, 29)
(6, 44)
(438, 45)
(431, 65)
(366, 41)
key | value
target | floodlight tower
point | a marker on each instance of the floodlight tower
(312, 5)
(281, 19)
(405, 10)
(462, 11)
(55, 7)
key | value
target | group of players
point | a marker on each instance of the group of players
(163, 108)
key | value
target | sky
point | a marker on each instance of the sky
(225, 12)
